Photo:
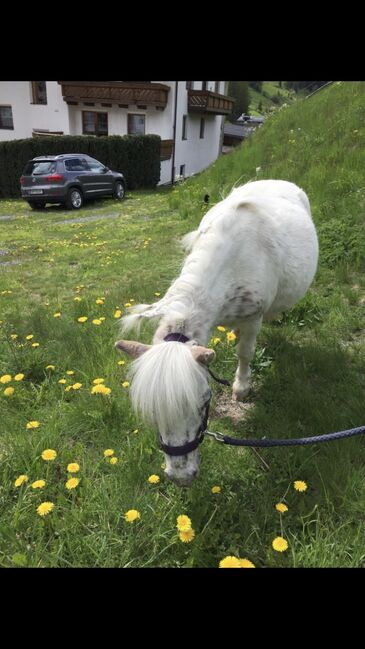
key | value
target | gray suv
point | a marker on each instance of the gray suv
(69, 179)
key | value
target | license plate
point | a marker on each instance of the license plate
(36, 191)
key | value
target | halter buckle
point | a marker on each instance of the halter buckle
(218, 436)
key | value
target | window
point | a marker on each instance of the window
(189, 85)
(204, 85)
(182, 171)
(136, 124)
(40, 167)
(39, 92)
(216, 86)
(76, 164)
(202, 127)
(95, 166)
(94, 123)
(6, 117)
(184, 128)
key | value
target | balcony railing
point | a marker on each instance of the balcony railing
(205, 101)
(124, 93)
(166, 149)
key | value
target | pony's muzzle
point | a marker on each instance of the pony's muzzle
(185, 481)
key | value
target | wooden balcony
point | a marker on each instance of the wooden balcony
(124, 93)
(205, 101)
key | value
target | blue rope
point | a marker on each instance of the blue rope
(301, 441)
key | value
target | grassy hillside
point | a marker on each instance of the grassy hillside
(261, 102)
(308, 371)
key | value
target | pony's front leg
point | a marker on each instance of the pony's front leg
(248, 331)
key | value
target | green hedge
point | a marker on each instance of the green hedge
(136, 156)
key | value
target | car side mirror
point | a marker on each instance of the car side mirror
(105, 170)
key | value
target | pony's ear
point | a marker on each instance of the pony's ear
(132, 347)
(203, 354)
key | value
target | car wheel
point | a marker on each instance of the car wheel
(37, 206)
(75, 199)
(119, 190)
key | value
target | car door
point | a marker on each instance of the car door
(77, 170)
(101, 182)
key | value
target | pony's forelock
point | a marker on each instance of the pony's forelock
(166, 385)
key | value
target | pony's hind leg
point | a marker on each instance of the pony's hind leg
(248, 331)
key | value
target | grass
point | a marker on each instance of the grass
(308, 371)
(263, 99)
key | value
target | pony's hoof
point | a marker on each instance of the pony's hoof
(239, 394)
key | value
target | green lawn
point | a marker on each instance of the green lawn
(308, 371)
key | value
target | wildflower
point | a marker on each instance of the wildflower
(135, 430)
(70, 372)
(73, 467)
(230, 562)
(33, 424)
(97, 321)
(50, 367)
(113, 460)
(9, 392)
(18, 377)
(128, 304)
(38, 484)
(82, 319)
(299, 485)
(132, 515)
(121, 362)
(216, 490)
(183, 523)
(76, 386)
(154, 479)
(13, 336)
(29, 337)
(258, 169)
(62, 381)
(280, 507)
(157, 294)
(57, 315)
(187, 536)
(97, 381)
(49, 455)
(125, 384)
(108, 452)
(100, 300)
(279, 544)
(45, 508)
(35, 344)
(19, 481)
(245, 563)
(100, 389)
(117, 313)
(77, 299)
(72, 483)
(6, 378)
(220, 328)
(163, 466)
(231, 336)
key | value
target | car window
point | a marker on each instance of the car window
(40, 167)
(76, 164)
(95, 166)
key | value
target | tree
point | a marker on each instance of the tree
(256, 85)
(240, 92)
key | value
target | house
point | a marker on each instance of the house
(242, 128)
(187, 115)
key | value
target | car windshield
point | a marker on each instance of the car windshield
(39, 167)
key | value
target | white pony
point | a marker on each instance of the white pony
(253, 256)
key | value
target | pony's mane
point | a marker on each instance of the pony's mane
(166, 385)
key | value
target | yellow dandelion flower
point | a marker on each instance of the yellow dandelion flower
(38, 484)
(117, 313)
(57, 315)
(49, 455)
(29, 337)
(82, 319)
(300, 485)
(35, 344)
(50, 367)
(13, 336)
(215, 341)
(73, 467)
(108, 452)
(113, 460)
(121, 362)
(216, 490)
(100, 300)
(128, 304)
(136, 430)
(72, 483)
(245, 563)
(220, 328)
(97, 381)
(280, 507)
(183, 523)
(6, 378)
(9, 392)
(33, 424)
(187, 536)
(279, 544)
(100, 389)
(157, 294)
(154, 479)
(125, 384)
(231, 336)
(132, 515)
(70, 372)
(77, 298)
(18, 377)
(230, 562)
(102, 318)
(20, 479)
(45, 508)
(62, 381)
(76, 386)
(97, 321)
(68, 388)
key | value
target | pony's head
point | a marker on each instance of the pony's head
(170, 389)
